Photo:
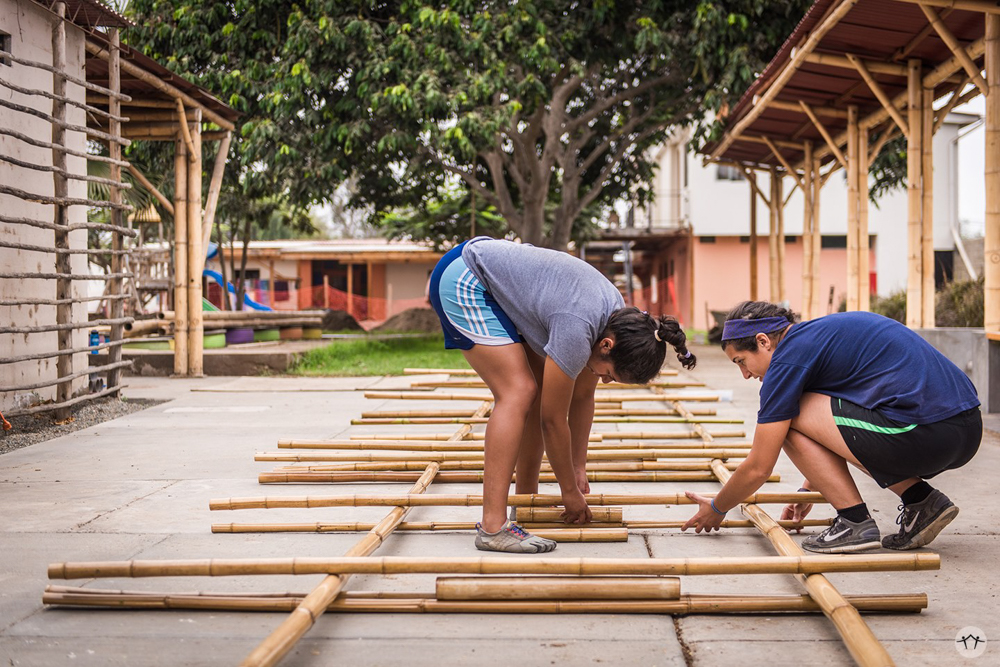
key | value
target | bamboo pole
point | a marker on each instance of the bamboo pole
(857, 636)
(180, 301)
(440, 371)
(196, 253)
(598, 412)
(214, 189)
(612, 398)
(780, 199)
(558, 588)
(927, 209)
(471, 446)
(593, 455)
(60, 189)
(548, 514)
(611, 386)
(853, 163)
(383, 602)
(991, 242)
(956, 48)
(990, 8)
(864, 243)
(753, 242)
(605, 419)
(817, 238)
(473, 500)
(553, 530)
(830, 142)
(477, 477)
(807, 233)
(160, 197)
(772, 237)
(356, 564)
(880, 93)
(914, 150)
(782, 78)
(595, 466)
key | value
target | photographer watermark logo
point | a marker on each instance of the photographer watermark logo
(970, 642)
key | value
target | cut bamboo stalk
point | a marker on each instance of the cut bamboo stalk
(817, 236)
(660, 435)
(473, 500)
(558, 588)
(857, 636)
(470, 372)
(382, 602)
(592, 455)
(614, 398)
(927, 207)
(473, 446)
(196, 256)
(853, 210)
(607, 466)
(611, 386)
(991, 240)
(772, 238)
(223, 567)
(560, 533)
(180, 295)
(608, 412)
(553, 514)
(864, 243)
(807, 232)
(553, 530)
(914, 282)
(597, 420)
(477, 477)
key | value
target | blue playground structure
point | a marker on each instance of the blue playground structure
(213, 250)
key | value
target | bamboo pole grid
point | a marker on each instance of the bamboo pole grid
(558, 595)
(67, 298)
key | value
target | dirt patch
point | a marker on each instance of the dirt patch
(340, 320)
(32, 429)
(423, 320)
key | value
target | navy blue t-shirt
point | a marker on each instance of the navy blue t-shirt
(869, 360)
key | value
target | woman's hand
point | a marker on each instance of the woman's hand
(576, 508)
(796, 512)
(582, 482)
(706, 519)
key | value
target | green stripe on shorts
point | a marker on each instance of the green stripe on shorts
(857, 423)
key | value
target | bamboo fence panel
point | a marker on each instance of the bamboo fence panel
(381, 602)
(67, 356)
(557, 588)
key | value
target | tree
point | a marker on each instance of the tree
(528, 104)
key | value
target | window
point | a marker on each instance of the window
(5, 45)
(707, 239)
(727, 172)
(833, 242)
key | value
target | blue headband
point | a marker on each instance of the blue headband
(734, 329)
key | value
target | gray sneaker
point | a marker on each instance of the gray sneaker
(844, 536)
(512, 539)
(921, 522)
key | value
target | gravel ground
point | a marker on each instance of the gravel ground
(32, 429)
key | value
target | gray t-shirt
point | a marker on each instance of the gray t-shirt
(559, 304)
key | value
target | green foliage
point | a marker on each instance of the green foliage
(960, 304)
(888, 170)
(373, 356)
(528, 103)
(892, 306)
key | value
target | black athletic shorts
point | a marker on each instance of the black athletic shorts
(893, 451)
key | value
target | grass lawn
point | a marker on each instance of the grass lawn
(378, 357)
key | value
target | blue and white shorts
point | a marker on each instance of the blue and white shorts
(469, 314)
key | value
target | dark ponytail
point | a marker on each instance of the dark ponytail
(641, 344)
(756, 310)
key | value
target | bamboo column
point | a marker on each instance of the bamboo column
(864, 647)
(60, 188)
(853, 178)
(753, 243)
(772, 238)
(780, 196)
(180, 255)
(115, 197)
(864, 245)
(927, 212)
(807, 232)
(196, 253)
(992, 237)
(817, 239)
(350, 289)
(914, 150)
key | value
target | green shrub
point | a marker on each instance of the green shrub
(960, 304)
(892, 306)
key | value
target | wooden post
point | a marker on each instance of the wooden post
(772, 239)
(180, 256)
(807, 211)
(927, 216)
(780, 195)
(215, 188)
(326, 291)
(64, 286)
(753, 243)
(817, 239)
(270, 282)
(115, 196)
(864, 250)
(914, 282)
(991, 242)
(853, 163)
(350, 289)
(196, 254)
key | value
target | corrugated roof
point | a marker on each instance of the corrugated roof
(90, 13)
(874, 30)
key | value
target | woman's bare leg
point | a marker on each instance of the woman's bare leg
(505, 370)
(529, 459)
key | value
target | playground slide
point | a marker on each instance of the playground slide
(247, 301)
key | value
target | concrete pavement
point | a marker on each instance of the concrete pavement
(139, 486)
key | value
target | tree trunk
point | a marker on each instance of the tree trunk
(222, 265)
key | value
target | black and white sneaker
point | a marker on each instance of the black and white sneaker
(845, 536)
(921, 522)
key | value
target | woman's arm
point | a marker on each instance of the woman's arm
(581, 418)
(557, 394)
(748, 477)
